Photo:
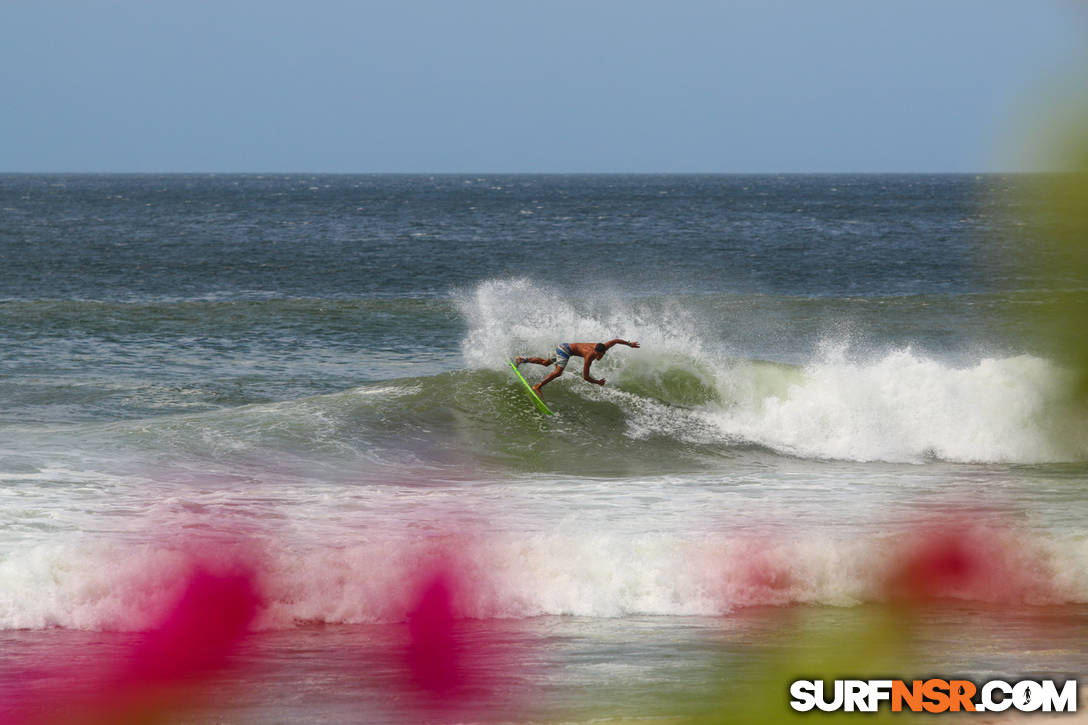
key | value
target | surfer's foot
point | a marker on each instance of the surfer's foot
(536, 389)
(518, 361)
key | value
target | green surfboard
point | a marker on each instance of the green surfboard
(530, 391)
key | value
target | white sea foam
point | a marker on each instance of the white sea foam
(101, 586)
(906, 407)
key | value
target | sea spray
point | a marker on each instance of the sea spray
(508, 317)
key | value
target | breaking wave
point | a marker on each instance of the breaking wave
(109, 586)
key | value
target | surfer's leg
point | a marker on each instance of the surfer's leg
(545, 361)
(560, 365)
(551, 376)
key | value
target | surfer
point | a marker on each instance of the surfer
(564, 351)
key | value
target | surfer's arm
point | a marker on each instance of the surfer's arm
(587, 376)
(618, 341)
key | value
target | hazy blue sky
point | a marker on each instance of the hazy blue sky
(511, 85)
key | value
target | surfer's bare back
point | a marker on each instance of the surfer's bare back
(564, 351)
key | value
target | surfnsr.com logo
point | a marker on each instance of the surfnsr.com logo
(933, 695)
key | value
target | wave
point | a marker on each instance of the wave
(659, 413)
(682, 402)
(97, 585)
(895, 404)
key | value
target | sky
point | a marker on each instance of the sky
(489, 86)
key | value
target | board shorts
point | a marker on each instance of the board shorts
(561, 356)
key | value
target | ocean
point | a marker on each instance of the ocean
(261, 454)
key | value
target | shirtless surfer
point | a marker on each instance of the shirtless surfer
(564, 351)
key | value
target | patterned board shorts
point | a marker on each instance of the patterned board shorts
(561, 356)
